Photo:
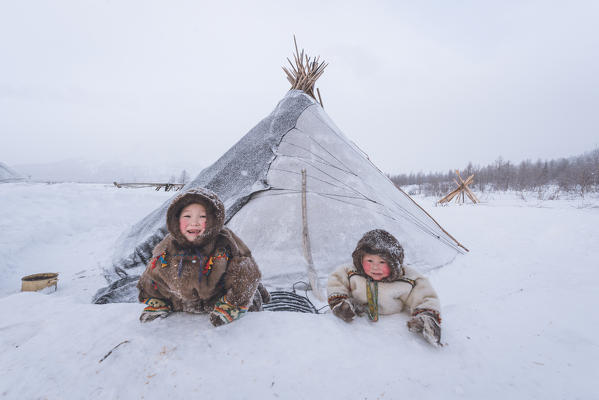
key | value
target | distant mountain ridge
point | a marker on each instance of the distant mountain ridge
(86, 171)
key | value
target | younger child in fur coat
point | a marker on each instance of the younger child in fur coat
(200, 266)
(377, 282)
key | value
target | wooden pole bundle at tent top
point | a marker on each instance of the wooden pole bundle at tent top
(461, 190)
(305, 72)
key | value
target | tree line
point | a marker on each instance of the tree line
(578, 174)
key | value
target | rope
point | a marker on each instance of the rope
(281, 300)
(434, 230)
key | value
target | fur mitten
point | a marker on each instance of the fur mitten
(155, 308)
(345, 310)
(225, 312)
(426, 323)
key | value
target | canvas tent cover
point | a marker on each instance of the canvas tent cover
(259, 181)
(8, 174)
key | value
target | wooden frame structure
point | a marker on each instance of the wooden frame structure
(167, 186)
(305, 72)
(459, 192)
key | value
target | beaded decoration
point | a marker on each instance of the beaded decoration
(220, 253)
(162, 259)
(372, 294)
(195, 256)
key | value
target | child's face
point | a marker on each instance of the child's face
(375, 266)
(192, 221)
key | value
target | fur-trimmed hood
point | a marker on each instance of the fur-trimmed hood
(215, 216)
(381, 243)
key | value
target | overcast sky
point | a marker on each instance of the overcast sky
(426, 85)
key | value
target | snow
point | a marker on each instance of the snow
(518, 314)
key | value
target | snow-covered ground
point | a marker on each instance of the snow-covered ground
(519, 314)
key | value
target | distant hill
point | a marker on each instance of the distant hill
(8, 174)
(77, 170)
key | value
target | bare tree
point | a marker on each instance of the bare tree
(579, 174)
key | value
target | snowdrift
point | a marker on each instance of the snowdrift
(516, 319)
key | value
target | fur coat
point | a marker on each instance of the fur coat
(192, 276)
(404, 288)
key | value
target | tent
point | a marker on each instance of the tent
(8, 174)
(300, 194)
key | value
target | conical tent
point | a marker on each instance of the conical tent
(260, 182)
(8, 174)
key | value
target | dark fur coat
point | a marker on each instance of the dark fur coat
(192, 276)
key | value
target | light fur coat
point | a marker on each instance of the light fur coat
(411, 291)
(404, 289)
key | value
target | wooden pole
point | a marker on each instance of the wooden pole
(319, 98)
(312, 275)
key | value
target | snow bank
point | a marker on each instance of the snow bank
(518, 317)
(65, 228)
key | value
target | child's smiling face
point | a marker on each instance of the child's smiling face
(375, 266)
(192, 221)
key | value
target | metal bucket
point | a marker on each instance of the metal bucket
(35, 282)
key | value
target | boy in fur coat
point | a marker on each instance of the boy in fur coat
(200, 266)
(377, 282)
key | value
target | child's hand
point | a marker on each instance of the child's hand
(148, 316)
(426, 324)
(225, 312)
(345, 311)
(155, 308)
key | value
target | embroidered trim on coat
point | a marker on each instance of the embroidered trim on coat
(156, 305)
(408, 280)
(372, 294)
(336, 298)
(219, 254)
(351, 273)
(161, 258)
(227, 311)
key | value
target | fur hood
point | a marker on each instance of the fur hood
(215, 216)
(381, 243)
